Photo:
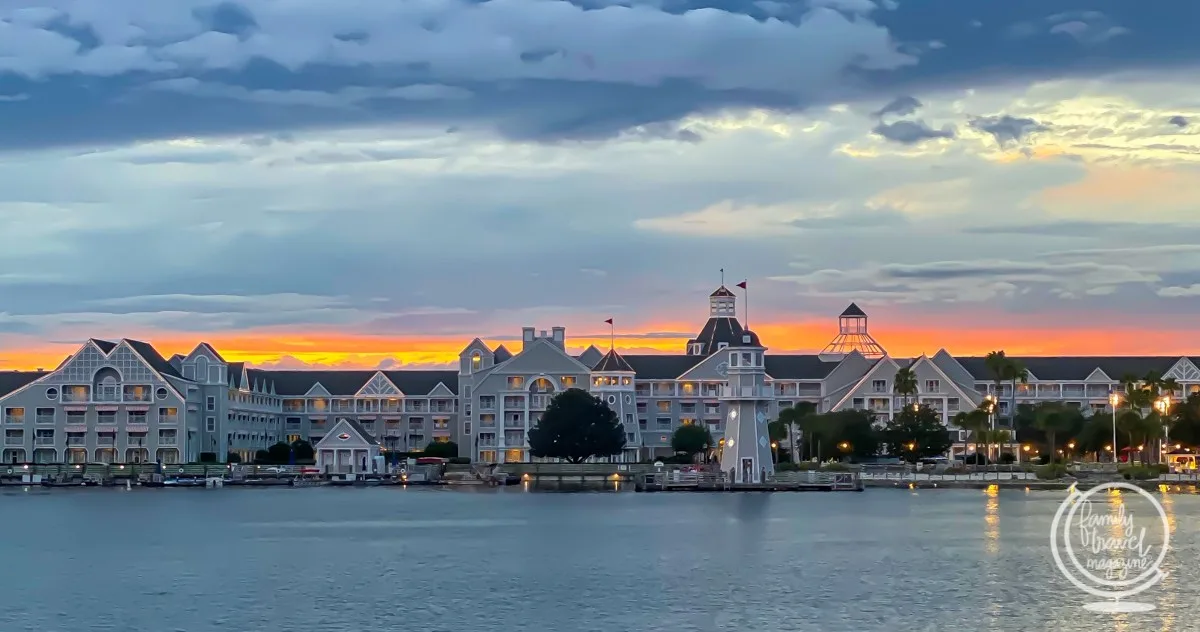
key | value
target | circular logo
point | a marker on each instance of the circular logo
(1111, 547)
(723, 368)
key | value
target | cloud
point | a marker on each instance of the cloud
(912, 132)
(900, 106)
(1178, 121)
(1180, 292)
(966, 281)
(1007, 129)
(729, 220)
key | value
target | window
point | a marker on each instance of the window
(106, 417)
(733, 359)
(747, 359)
(663, 422)
(879, 386)
(784, 404)
(160, 393)
(697, 348)
(722, 345)
(210, 423)
(476, 361)
(467, 428)
(210, 404)
(516, 382)
(664, 406)
(933, 386)
(52, 393)
(567, 381)
(859, 403)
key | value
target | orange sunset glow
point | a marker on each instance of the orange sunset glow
(316, 349)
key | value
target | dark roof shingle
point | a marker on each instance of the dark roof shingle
(1076, 368)
(612, 361)
(13, 380)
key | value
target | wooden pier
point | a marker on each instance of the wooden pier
(719, 482)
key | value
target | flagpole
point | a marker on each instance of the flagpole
(612, 334)
(746, 302)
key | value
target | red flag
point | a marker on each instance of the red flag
(608, 322)
(742, 285)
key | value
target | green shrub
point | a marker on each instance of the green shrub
(788, 467)
(1140, 472)
(836, 467)
(1050, 472)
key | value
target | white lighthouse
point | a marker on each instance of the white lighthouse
(747, 449)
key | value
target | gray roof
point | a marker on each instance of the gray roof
(661, 367)
(362, 432)
(501, 354)
(721, 291)
(718, 330)
(613, 362)
(854, 310)
(347, 383)
(747, 339)
(1076, 367)
(12, 380)
(797, 367)
(590, 356)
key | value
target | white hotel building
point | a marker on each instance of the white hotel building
(123, 401)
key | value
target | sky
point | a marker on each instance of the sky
(373, 184)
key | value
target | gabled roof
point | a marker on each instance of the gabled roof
(613, 362)
(718, 330)
(152, 357)
(104, 345)
(854, 310)
(1075, 368)
(590, 356)
(13, 380)
(213, 351)
(501, 354)
(349, 424)
(721, 291)
(235, 375)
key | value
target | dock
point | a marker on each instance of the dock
(811, 481)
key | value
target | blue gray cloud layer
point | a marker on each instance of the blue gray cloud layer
(108, 71)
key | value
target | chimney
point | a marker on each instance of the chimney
(560, 333)
(527, 334)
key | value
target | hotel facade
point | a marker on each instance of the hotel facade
(124, 402)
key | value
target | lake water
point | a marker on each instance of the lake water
(354, 560)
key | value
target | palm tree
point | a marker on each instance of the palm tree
(791, 418)
(996, 362)
(976, 423)
(1014, 371)
(905, 384)
(1052, 418)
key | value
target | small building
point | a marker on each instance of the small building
(347, 449)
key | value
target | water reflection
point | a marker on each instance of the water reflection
(991, 520)
(1167, 604)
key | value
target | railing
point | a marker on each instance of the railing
(14, 419)
(165, 441)
(746, 391)
(910, 477)
(14, 440)
(44, 419)
(76, 442)
(43, 441)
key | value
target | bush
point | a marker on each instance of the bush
(1053, 471)
(836, 467)
(443, 449)
(233, 457)
(460, 460)
(1007, 458)
(262, 456)
(1140, 472)
(208, 457)
(975, 459)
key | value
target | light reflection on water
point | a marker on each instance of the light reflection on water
(348, 560)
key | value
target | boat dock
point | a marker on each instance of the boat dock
(719, 482)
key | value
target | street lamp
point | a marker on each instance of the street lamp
(1113, 399)
(991, 409)
(775, 452)
(1163, 405)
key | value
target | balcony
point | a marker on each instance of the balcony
(663, 389)
(746, 391)
(510, 424)
(390, 406)
(44, 419)
(343, 407)
(293, 407)
(539, 402)
(106, 441)
(43, 441)
(76, 442)
(17, 440)
(442, 407)
(168, 441)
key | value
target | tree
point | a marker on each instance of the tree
(262, 456)
(1185, 421)
(917, 434)
(575, 427)
(279, 453)
(691, 439)
(233, 457)
(977, 423)
(792, 418)
(852, 432)
(443, 449)
(302, 450)
(1054, 418)
(996, 362)
(1095, 434)
(905, 384)
(1014, 372)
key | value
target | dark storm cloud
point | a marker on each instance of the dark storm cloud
(1178, 121)
(1007, 129)
(911, 132)
(900, 106)
(79, 73)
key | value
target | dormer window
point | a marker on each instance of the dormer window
(722, 345)
(697, 348)
(745, 339)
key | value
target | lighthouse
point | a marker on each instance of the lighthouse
(746, 452)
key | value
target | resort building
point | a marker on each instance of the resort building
(122, 401)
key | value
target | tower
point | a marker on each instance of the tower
(612, 381)
(747, 448)
(722, 327)
(852, 336)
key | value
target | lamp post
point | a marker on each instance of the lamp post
(1163, 405)
(1113, 400)
(775, 453)
(991, 408)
